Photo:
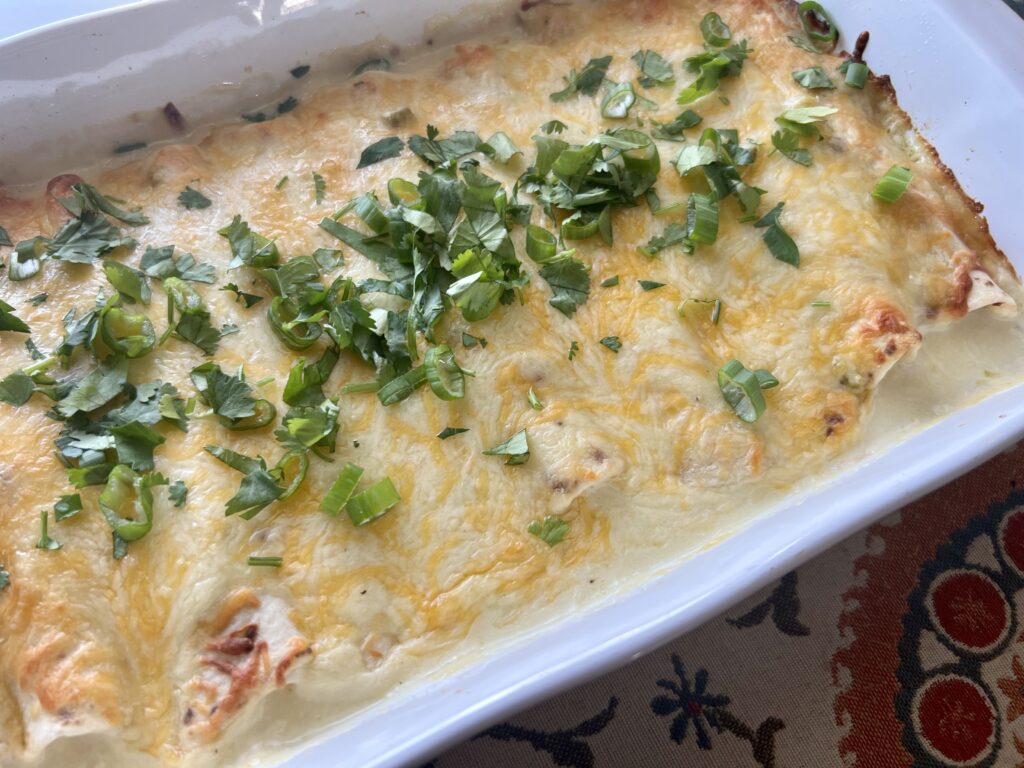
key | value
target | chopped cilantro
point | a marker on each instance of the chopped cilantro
(384, 149)
(177, 492)
(586, 81)
(447, 432)
(613, 343)
(249, 299)
(193, 199)
(67, 506)
(161, 263)
(654, 70)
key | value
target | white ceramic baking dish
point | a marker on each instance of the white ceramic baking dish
(959, 71)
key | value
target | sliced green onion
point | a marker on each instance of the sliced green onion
(891, 187)
(814, 17)
(741, 389)
(702, 218)
(856, 74)
(296, 334)
(642, 159)
(268, 561)
(130, 335)
(580, 226)
(368, 209)
(541, 245)
(445, 376)
(618, 101)
(402, 192)
(716, 32)
(373, 502)
(402, 386)
(342, 489)
(447, 432)
(610, 282)
(534, 401)
(363, 386)
(278, 472)
(265, 412)
(821, 303)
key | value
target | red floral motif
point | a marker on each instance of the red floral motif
(970, 609)
(956, 719)
(1013, 687)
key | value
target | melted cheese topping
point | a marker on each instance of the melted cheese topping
(156, 655)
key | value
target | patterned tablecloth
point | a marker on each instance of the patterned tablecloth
(903, 646)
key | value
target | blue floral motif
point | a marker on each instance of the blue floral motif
(690, 705)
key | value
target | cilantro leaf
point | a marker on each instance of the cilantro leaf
(193, 199)
(197, 329)
(67, 506)
(613, 343)
(586, 81)
(674, 234)
(86, 198)
(229, 396)
(130, 283)
(135, 443)
(500, 148)
(97, 388)
(178, 493)
(250, 299)
(654, 70)
(777, 239)
(436, 151)
(81, 240)
(247, 247)
(16, 388)
(384, 149)
(813, 78)
(788, 143)
(674, 131)
(9, 321)
(161, 263)
(569, 279)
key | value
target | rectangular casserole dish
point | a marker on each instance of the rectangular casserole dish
(135, 59)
